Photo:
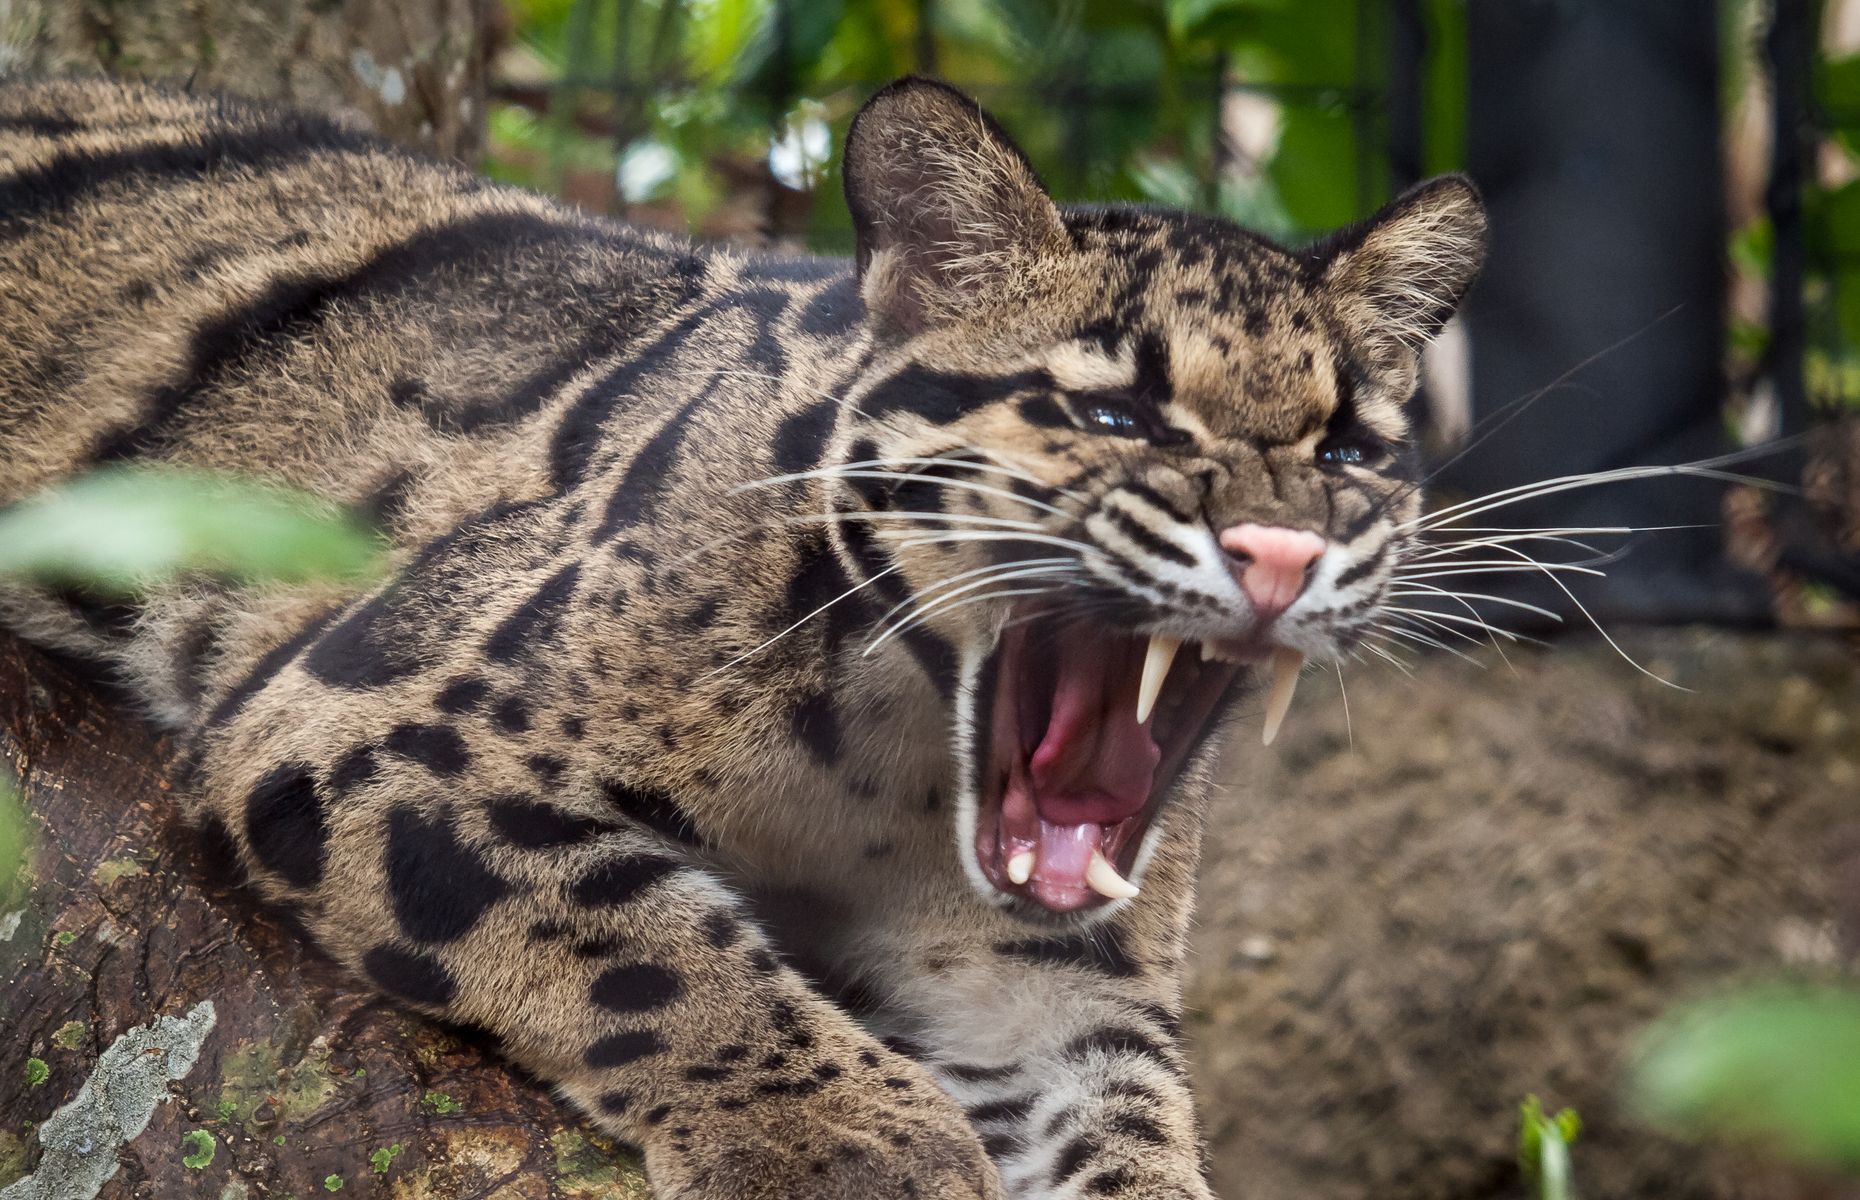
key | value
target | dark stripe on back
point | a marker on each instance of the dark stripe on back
(29, 195)
(293, 308)
(261, 674)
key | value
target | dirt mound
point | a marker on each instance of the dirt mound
(1506, 877)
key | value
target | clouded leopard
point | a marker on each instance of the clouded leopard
(786, 726)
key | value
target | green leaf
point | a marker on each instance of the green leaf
(1776, 1066)
(200, 1146)
(122, 529)
(37, 1072)
(1543, 1149)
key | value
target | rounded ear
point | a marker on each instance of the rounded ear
(1404, 271)
(944, 206)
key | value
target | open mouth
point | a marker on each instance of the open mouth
(1089, 729)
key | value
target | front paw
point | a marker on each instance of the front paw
(892, 1136)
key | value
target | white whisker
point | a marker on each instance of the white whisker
(1428, 589)
(804, 620)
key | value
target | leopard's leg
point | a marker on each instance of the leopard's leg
(599, 953)
(1064, 1047)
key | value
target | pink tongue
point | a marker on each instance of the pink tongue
(1092, 769)
(1095, 763)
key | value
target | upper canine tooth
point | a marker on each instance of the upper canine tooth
(1155, 669)
(1286, 663)
(1020, 867)
(1105, 880)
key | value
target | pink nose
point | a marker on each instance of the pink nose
(1273, 564)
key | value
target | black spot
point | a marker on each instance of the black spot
(1121, 1041)
(722, 930)
(286, 826)
(1000, 1145)
(547, 768)
(605, 946)
(356, 769)
(1014, 1108)
(535, 826)
(704, 614)
(819, 585)
(1099, 950)
(614, 1102)
(388, 638)
(975, 1074)
(573, 728)
(617, 1050)
(420, 978)
(657, 1115)
(707, 1074)
(654, 809)
(835, 310)
(619, 880)
(439, 887)
(801, 438)
(438, 748)
(637, 987)
(1106, 1183)
(218, 851)
(511, 715)
(1138, 1126)
(818, 726)
(734, 1052)
(1076, 1153)
(462, 695)
(536, 620)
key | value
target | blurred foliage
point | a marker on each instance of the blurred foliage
(115, 531)
(726, 115)
(1543, 1149)
(1832, 211)
(1775, 1067)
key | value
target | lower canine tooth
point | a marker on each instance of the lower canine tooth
(1286, 664)
(1020, 867)
(1155, 669)
(1105, 880)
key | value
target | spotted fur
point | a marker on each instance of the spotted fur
(629, 763)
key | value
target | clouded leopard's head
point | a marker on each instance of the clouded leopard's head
(1117, 459)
